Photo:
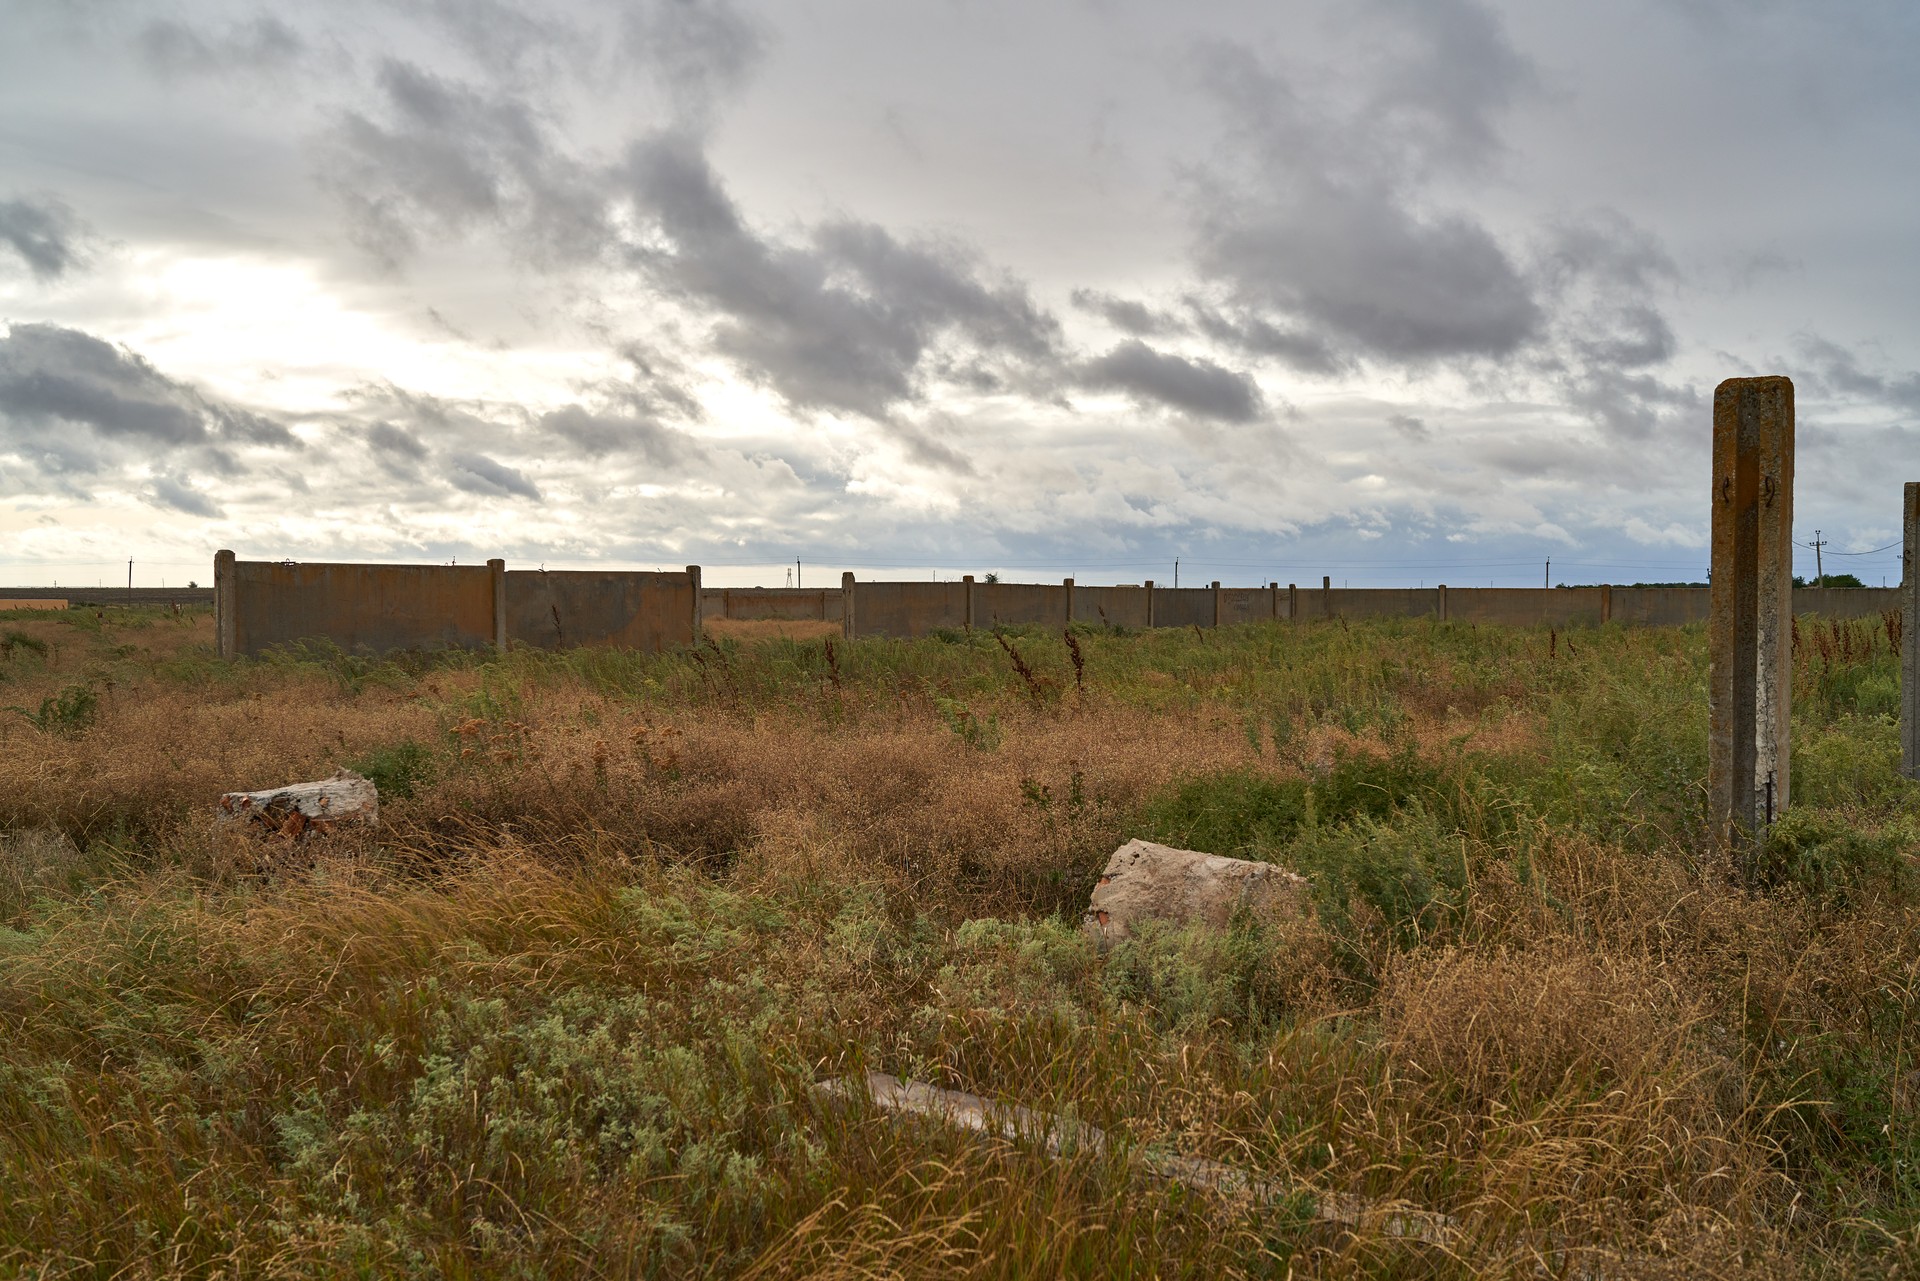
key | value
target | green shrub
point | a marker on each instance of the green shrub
(1834, 856)
(68, 712)
(398, 769)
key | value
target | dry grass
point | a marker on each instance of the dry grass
(565, 1016)
(759, 629)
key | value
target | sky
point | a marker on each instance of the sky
(1390, 291)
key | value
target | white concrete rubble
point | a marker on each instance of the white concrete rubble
(300, 810)
(1147, 880)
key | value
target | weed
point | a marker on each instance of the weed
(68, 712)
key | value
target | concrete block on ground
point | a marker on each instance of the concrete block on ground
(1144, 880)
(300, 810)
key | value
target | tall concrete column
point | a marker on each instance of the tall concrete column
(226, 601)
(1751, 606)
(1149, 602)
(693, 572)
(1910, 638)
(498, 568)
(1216, 602)
(848, 620)
(967, 580)
(1068, 584)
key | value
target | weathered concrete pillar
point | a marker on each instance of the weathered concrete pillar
(1910, 638)
(1441, 605)
(693, 572)
(1273, 601)
(1606, 603)
(1216, 602)
(1326, 596)
(1751, 604)
(226, 601)
(847, 617)
(1293, 602)
(1149, 602)
(498, 568)
(967, 606)
(1068, 584)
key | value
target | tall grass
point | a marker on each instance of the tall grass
(567, 1013)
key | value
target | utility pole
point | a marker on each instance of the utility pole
(1819, 567)
(796, 573)
(130, 573)
(1176, 571)
(1548, 581)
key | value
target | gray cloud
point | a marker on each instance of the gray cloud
(1837, 369)
(1328, 224)
(478, 474)
(451, 158)
(841, 322)
(175, 494)
(396, 442)
(46, 234)
(1128, 315)
(600, 434)
(1257, 336)
(174, 49)
(49, 373)
(1413, 428)
(1198, 387)
(701, 49)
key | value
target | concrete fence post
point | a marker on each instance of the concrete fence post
(1326, 596)
(498, 569)
(1910, 637)
(967, 592)
(1216, 602)
(1606, 603)
(847, 594)
(226, 602)
(1751, 607)
(1273, 601)
(1293, 602)
(693, 573)
(1068, 584)
(1149, 602)
(1441, 607)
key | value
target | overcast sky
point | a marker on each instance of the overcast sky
(1396, 291)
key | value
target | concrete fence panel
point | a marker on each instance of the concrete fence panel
(1183, 607)
(1013, 604)
(1250, 605)
(562, 609)
(1528, 606)
(1110, 606)
(788, 604)
(1845, 602)
(360, 608)
(908, 609)
(1379, 602)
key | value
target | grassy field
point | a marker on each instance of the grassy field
(566, 1016)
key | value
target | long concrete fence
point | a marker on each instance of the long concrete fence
(910, 609)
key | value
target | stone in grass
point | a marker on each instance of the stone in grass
(300, 810)
(1147, 880)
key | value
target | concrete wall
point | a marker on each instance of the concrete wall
(1012, 604)
(1183, 607)
(1110, 606)
(771, 602)
(908, 609)
(379, 608)
(913, 609)
(361, 608)
(563, 609)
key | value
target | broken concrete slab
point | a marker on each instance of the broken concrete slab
(301, 810)
(1145, 880)
(1060, 1136)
